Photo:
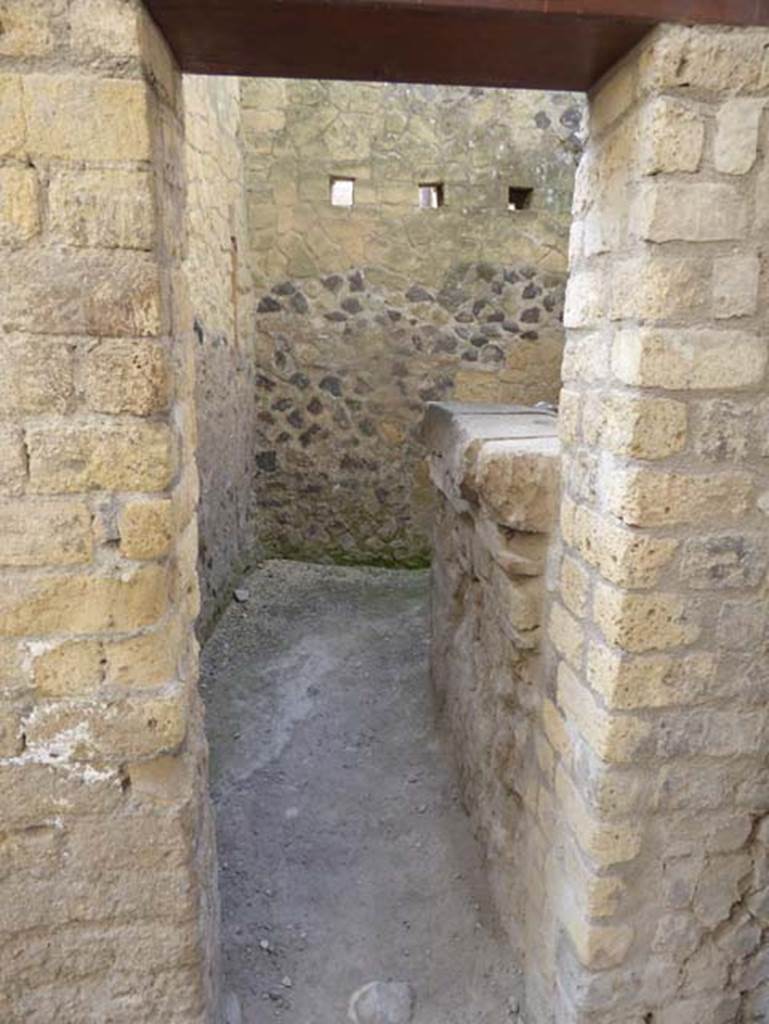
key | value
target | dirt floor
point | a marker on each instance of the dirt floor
(345, 854)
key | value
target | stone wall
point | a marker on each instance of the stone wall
(218, 273)
(496, 471)
(364, 314)
(656, 720)
(107, 906)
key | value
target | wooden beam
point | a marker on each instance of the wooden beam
(547, 44)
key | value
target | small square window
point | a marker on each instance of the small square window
(342, 191)
(519, 198)
(431, 195)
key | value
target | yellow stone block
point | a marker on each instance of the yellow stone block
(639, 622)
(87, 118)
(146, 528)
(19, 204)
(39, 533)
(131, 376)
(39, 604)
(100, 455)
(642, 497)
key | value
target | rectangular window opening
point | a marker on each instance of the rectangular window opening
(519, 198)
(431, 195)
(342, 191)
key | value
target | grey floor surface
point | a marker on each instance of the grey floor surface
(345, 854)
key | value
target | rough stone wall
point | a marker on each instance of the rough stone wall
(106, 910)
(496, 471)
(656, 723)
(217, 269)
(365, 314)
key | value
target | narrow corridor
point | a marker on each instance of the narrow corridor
(345, 855)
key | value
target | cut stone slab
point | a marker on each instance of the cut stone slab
(383, 1002)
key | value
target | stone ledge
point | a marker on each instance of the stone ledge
(498, 462)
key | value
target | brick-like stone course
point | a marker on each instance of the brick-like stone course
(106, 906)
(656, 629)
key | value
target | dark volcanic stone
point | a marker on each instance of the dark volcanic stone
(315, 406)
(542, 120)
(571, 118)
(356, 282)
(470, 356)
(299, 303)
(299, 380)
(352, 306)
(336, 317)
(530, 315)
(479, 340)
(495, 318)
(268, 305)
(334, 282)
(418, 294)
(284, 288)
(266, 461)
(531, 291)
(333, 385)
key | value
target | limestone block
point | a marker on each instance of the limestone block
(666, 211)
(688, 359)
(111, 209)
(34, 533)
(143, 661)
(13, 463)
(650, 681)
(712, 58)
(36, 375)
(101, 27)
(604, 843)
(146, 528)
(617, 738)
(100, 455)
(736, 141)
(643, 428)
(130, 728)
(74, 668)
(625, 557)
(573, 586)
(569, 416)
(641, 497)
(88, 292)
(517, 482)
(75, 604)
(656, 287)
(566, 634)
(127, 377)
(724, 561)
(585, 298)
(86, 118)
(741, 624)
(12, 123)
(639, 622)
(735, 286)
(673, 137)
(516, 553)
(27, 27)
(585, 357)
(19, 204)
